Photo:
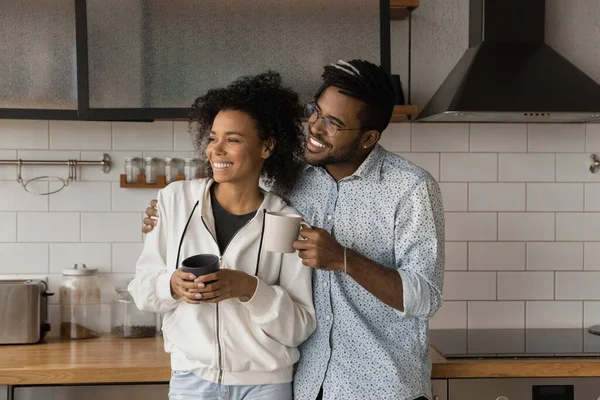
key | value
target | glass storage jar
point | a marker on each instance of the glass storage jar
(79, 303)
(132, 169)
(127, 321)
(189, 168)
(170, 170)
(150, 170)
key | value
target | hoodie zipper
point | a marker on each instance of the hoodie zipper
(219, 352)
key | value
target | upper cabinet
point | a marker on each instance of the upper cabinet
(144, 60)
(38, 63)
(151, 59)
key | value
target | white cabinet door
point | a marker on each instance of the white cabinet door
(439, 389)
(109, 392)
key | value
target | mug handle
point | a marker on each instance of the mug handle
(305, 224)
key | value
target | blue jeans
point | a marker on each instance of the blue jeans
(189, 386)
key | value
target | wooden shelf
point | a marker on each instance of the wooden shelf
(402, 113)
(161, 182)
(399, 9)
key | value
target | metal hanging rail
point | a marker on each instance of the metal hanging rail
(72, 164)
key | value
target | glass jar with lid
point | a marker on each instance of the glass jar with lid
(80, 299)
(189, 168)
(127, 321)
(132, 169)
(170, 170)
(150, 169)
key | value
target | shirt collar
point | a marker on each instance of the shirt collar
(369, 169)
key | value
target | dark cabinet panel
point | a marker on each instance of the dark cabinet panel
(164, 53)
(38, 62)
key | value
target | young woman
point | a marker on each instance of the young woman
(233, 333)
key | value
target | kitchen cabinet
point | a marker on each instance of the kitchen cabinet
(3, 392)
(151, 59)
(92, 392)
(38, 75)
(439, 389)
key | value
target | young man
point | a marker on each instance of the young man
(377, 247)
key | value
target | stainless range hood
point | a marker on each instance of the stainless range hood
(509, 74)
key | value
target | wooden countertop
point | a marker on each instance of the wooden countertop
(112, 360)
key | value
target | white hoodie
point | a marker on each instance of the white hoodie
(232, 342)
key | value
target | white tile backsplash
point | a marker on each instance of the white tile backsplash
(183, 139)
(23, 134)
(578, 226)
(80, 135)
(127, 199)
(592, 197)
(8, 172)
(526, 167)
(24, 258)
(93, 255)
(8, 227)
(574, 168)
(396, 137)
(471, 226)
(456, 256)
(578, 285)
(554, 197)
(111, 227)
(591, 256)
(452, 315)
(469, 167)
(50, 227)
(496, 197)
(525, 226)
(556, 138)
(498, 138)
(496, 314)
(470, 285)
(525, 285)
(554, 315)
(521, 227)
(81, 196)
(496, 256)
(143, 135)
(125, 257)
(554, 256)
(427, 137)
(14, 198)
(455, 196)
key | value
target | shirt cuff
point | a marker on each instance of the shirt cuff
(416, 294)
(163, 286)
(260, 304)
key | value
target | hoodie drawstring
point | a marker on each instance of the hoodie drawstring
(183, 234)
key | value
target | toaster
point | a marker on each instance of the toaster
(23, 311)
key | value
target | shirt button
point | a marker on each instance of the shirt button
(329, 218)
(327, 318)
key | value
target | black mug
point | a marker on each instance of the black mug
(201, 264)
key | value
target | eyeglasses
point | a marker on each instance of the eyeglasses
(331, 128)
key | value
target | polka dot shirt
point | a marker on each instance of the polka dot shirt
(390, 211)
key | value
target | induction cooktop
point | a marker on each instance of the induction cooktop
(488, 343)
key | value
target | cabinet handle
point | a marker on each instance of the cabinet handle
(436, 398)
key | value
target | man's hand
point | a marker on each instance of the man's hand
(228, 284)
(181, 285)
(320, 250)
(150, 223)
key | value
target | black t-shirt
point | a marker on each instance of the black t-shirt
(226, 223)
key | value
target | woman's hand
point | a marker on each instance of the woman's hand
(228, 284)
(181, 284)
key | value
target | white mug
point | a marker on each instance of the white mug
(281, 230)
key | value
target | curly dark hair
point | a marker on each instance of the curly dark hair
(273, 107)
